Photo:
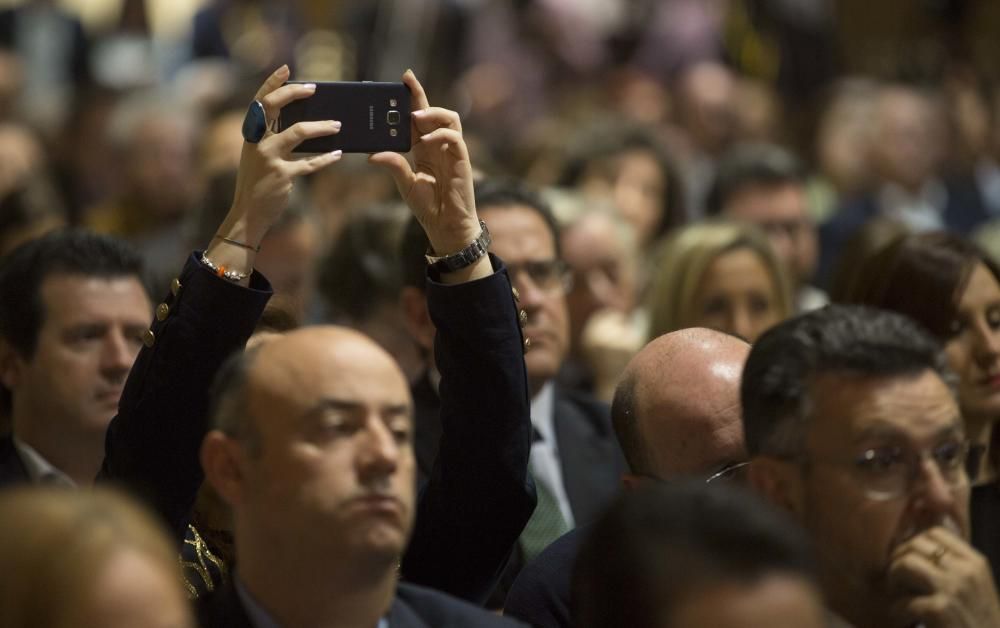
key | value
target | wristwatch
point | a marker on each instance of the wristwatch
(464, 258)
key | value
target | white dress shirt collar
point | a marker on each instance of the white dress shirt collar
(40, 470)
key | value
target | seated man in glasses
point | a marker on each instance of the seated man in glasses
(676, 413)
(852, 426)
(575, 462)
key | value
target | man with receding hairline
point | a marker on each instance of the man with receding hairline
(676, 413)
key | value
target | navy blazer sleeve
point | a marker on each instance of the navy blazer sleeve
(479, 494)
(152, 445)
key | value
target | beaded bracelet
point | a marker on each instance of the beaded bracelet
(224, 272)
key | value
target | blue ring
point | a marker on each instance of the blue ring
(255, 123)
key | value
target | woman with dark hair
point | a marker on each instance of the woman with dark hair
(952, 287)
(629, 165)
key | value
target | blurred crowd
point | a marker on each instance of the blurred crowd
(726, 164)
(635, 119)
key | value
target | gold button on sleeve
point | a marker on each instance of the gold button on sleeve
(148, 338)
(175, 286)
(162, 311)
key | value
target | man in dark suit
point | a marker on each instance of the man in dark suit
(575, 461)
(72, 313)
(312, 439)
(676, 413)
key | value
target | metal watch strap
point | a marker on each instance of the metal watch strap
(464, 258)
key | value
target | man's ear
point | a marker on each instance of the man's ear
(779, 482)
(10, 365)
(413, 303)
(223, 461)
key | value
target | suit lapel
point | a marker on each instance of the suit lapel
(584, 460)
(402, 616)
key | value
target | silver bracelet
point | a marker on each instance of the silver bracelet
(224, 272)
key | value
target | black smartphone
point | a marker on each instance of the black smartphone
(375, 117)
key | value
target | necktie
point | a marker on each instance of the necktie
(547, 522)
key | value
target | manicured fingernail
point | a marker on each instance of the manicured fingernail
(408, 71)
(283, 69)
(337, 153)
(335, 124)
(310, 86)
(419, 112)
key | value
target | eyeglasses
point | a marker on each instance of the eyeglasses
(551, 276)
(891, 471)
(733, 472)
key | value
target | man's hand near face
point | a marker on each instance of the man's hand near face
(946, 583)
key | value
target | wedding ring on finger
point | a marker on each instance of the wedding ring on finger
(938, 555)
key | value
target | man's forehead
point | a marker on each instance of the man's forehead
(519, 228)
(72, 294)
(853, 406)
(314, 363)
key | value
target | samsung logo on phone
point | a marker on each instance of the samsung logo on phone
(371, 117)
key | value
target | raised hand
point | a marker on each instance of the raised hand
(266, 173)
(438, 187)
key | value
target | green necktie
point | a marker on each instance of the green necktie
(545, 525)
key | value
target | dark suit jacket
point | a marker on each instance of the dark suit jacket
(413, 607)
(479, 497)
(591, 460)
(540, 595)
(152, 445)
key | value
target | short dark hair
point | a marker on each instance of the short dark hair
(921, 275)
(749, 165)
(609, 139)
(66, 251)
(840, 339)
(359, 274)
(490, 194)
(625, 420)
(658, 545)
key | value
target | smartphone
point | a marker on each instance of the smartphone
(375, 117)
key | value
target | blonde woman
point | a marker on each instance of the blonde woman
(86, 559)
(719, 275)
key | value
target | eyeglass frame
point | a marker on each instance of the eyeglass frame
(562, 281)
(914, 464)
(727, 472)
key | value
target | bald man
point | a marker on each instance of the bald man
(320, 474)
(677, 414)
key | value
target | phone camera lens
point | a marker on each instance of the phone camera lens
(392, 117)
